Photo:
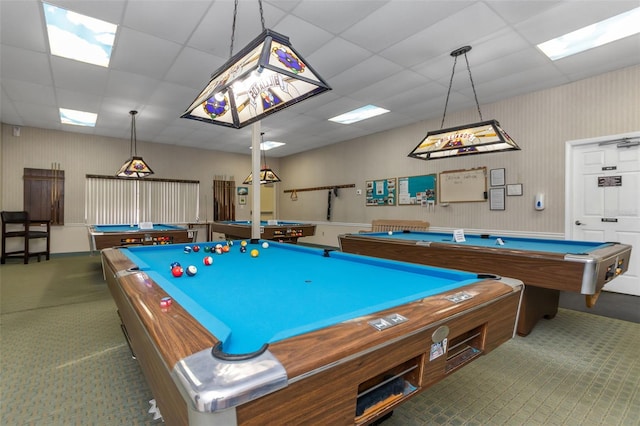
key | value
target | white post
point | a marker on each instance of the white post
(255, 167)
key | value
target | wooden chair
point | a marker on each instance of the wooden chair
(19, 225)
(385, 225)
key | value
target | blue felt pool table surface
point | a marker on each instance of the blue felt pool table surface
(286, 290)
(136, 228)
(262, 223)
(510, 243)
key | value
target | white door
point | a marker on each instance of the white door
(603, 198)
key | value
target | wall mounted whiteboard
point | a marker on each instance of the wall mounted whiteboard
(460, 186)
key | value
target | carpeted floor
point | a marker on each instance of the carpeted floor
(63, 361)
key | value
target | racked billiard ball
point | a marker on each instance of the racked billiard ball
(191, 270)
(177, 271)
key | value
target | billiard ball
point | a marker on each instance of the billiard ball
(243, 243)
(265, 245)
(254, 253)
(187, 249)
(208, 260)
(225, 249)
(177, 271)
(174, 264)
(207, 249)
(243, 249)
(165, 302)
(191, 270)
(390, 232)
(230, 243)
(196, 248)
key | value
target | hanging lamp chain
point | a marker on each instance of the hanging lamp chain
(264, 154)
(453, 71)
(134, 148)
(455, 54)
(233, 25)
(473, 86)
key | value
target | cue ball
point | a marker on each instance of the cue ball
(208, 260)
(191, 270)
(390, 232)
(254, 253)
(265, 245)
(177, 271)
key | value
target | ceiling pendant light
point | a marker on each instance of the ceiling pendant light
(134, 167)
(266, 174)
(265, 77)
(476, 138)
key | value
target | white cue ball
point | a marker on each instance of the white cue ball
(265, 245)
(390, 232)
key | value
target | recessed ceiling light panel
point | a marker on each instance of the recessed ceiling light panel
(603, 32)
(359, 114)
(79, 37)
(78, 118)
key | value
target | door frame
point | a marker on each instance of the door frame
(568, 173)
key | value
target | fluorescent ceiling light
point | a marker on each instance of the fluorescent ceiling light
(267, 145)
(78, 118)
(603, 32)
(79, 37)
(359, 114)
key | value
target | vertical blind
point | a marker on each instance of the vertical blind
(111, 200)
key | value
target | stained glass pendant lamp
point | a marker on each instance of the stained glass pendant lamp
(266, 174)
(134, 167)
(266, 76)
(476, 138)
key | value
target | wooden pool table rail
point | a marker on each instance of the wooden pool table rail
(348, 353)
(544, 274)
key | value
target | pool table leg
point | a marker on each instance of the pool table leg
(537, 302)
(591, 299)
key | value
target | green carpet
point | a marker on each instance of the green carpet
(61, 281)
(64, 361)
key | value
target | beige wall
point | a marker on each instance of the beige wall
(80, 155)
(539, 122)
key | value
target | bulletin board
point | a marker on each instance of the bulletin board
(460, 186)
(381, 192)
(417, 190)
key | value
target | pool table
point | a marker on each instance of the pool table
(105, 236)
(299, 335)
(281, 231)
(545, 266)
